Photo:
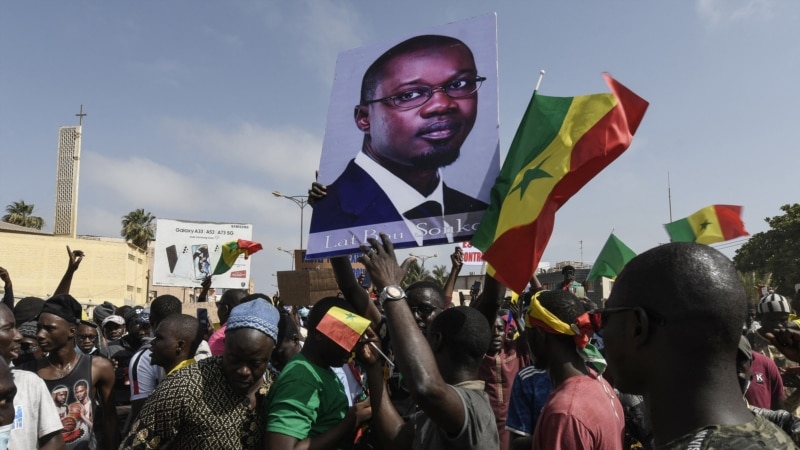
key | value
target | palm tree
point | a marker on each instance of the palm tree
(138, 227)
(751, 280)
(440, 274)
(20, 213)
(416, 273)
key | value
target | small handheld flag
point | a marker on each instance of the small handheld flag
(343, 327)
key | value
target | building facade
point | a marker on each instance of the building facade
(112, 270)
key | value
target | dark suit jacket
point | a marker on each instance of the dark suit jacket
(355, 199)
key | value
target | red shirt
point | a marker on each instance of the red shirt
(766, 384)
(582, 413)
(498, 372)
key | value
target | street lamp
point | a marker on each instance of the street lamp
(423, 258)
(299, 200)
(280, 249)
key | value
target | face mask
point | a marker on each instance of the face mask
(5, 433)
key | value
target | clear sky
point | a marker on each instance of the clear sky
(198, 110)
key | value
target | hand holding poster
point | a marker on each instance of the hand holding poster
(417, 155)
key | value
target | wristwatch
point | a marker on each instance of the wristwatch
(391, 293)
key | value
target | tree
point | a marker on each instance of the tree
(20, 213)
(416, 273)
(440, 274)
(138, 227)
(751, 281)
(775, 251)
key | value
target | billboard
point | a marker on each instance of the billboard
(186, 252)
(409, 149)
(472, 256)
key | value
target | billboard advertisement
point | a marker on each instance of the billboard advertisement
(186, 252)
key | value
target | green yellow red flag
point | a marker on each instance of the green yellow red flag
(612, 258)
(343, 327)
(715, 223)
(231, 250)
(561, 144)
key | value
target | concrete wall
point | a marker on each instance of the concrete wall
(112, 269)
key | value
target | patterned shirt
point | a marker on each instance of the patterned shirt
(754, 435)
(195, 408)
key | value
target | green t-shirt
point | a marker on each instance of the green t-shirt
(306, 400)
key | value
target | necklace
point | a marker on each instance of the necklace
(64, 369)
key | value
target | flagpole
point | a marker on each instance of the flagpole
(669, 197)
(386, 358)
(539, 82)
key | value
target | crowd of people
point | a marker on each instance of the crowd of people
(676, 358)
(670, 361)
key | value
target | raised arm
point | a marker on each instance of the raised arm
(353, 292)
(393, 431)
(206, 285)
(75, 258)
(536, 285)
(490, 300)
(8, 293)
(413, 353)
(456, 261)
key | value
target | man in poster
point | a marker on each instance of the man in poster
(418, 105)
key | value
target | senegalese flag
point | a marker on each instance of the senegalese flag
(231, 251)
(715, 223)
(343, 327)
(612, 258)
(561, 144)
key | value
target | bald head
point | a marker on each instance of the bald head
(691, 286)
(186, 328)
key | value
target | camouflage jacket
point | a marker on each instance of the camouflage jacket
(757, 434)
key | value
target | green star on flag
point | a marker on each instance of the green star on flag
(562, 142)
(343, 327)
(530, 175)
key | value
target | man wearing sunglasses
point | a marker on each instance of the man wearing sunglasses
(87, 337)
(672, 328)
(419, 102)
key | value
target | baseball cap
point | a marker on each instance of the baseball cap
(113, 318)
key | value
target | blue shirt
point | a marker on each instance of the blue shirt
(528, 395)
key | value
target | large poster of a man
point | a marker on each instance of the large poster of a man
(418, 153)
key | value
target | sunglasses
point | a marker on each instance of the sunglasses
(599, 317)
(26, 347)
(423, 310)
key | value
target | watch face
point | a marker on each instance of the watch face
(394, 292)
